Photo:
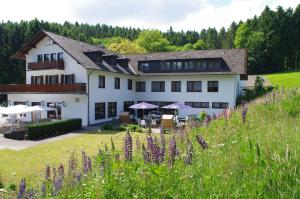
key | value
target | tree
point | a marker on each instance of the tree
(153, 41)
(125, 46)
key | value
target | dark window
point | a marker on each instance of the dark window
(112, 109)
(19, 103)
(53, 79)
(194, 86)
(179, 65)
(117, 83)
(99, 111)
(40, 58)
(158, 86)
(212, 86)
(220, 105)
(69, 79)
(144, 66)
(52, 114)
(35, 103)
(198, 104)
(140, 86)
(176, 86)
(129, 84)
(173, 64)
(126, 107)
(243, 77)
(46, 57)
(192, 65)
(59, 56)
(38, 79)
(53, 57)
(101, 83)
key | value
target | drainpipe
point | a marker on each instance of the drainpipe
(88, 95)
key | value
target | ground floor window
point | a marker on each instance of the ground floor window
(19, 103)
(126, 107)
(99, 110)
(54, 114)
(198, 104)
(112, 109)
(220, 105)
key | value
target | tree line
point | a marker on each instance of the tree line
(272, 40)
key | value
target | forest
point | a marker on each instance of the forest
(272, 40)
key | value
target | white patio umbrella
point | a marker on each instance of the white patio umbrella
(177, 105)
(143, 106)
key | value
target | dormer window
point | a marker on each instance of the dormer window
(53, 57)
(46, 57)
(59, 56)
(145, 66)
(40, 58)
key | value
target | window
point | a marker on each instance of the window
(53, 79)
(192, 65)
(53, 57)
(117, 83)
(194, 86)
(144, 66)
(179, 65)
(101, 81)
(69, 79)
(140, 86)
(243, 77)
(212, 86)
(220, 105)
(38, 79)
(176, 86)
(173, 64)
(59, 56)
(198, 104)
(40, 58)
(198, 65)
(112, 109)
(164, 65)
(99, 111)
(46, 57)
(129, 84)
(158, 86)
(126, 107)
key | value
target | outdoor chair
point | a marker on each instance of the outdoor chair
(153, 122)
(143, 123)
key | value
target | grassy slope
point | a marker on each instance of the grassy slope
(257, 160)
(288, 80)
(31, 162)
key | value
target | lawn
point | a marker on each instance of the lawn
(288, 80)
(31, 162)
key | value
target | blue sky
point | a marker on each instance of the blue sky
(155, 14)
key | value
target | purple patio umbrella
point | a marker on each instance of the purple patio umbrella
(177, 105)
(143, 106)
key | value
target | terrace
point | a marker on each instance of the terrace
(44, 65)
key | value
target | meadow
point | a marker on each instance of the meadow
(251, 153)
(288, 80)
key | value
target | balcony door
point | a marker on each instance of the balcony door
(54, 114)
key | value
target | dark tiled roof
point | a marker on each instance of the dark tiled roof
(75, 49)
(236, 59)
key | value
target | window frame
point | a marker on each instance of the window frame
(162, 86)
(117, 83)
(129, 84)
(212, 89)
(201, 104)
(193, 89)
(53, 58)
(46, 56)
(220, 105)
(138, 88)
(101, 84)
(100, 115)
(40, 58)
(173, 86)
(111, 113)
(60, 56)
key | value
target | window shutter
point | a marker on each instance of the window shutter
(32, 79)
(46, 79)
(56, 79)
(62, 79)
(42, 79)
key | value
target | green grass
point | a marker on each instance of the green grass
(288, 80)
(31, 162)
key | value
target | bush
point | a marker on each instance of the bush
(107, 127)
(122, 128)
(49, 129)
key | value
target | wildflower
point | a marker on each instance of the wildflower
(156, 152)
(43, 188)
(84, 162)
(214, 116)
(138, 144)
(72, 163)
(61, 171)
(150, 145)
(244, 112)
(78, 176)
(162, 145)
(128, 147)
(22, 189)
(57, 181)
(47, 176)
(30, 194)
(146, 154)
(106, 147)
(189, 153)
(207, 120)
(172, 151)
(89, 164)
(117, 157)
(201, 142)
(112, 144)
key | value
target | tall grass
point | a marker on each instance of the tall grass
(255, 159)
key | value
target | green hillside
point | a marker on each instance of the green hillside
(288, 80)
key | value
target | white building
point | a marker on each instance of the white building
(89, 82)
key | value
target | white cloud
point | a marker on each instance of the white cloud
(160, 14)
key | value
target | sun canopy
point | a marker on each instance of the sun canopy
(19, 109)
(143, 105)
(177, 105)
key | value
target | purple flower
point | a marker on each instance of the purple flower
(72, 164)
(189, 153)
(244, 112)
(47, 176)
(61, 171)
(43, 188)
(207, 120)
(214, 116)
(22, 189)
(128, 147)
(146, 154)
(150, 144)
(84, 162)
(162, 145)
(138, 144)
(30, 194)
(201, 142)
(89, 164)
(172, 151)
(78, 176)
(57, 181)
(156, 152)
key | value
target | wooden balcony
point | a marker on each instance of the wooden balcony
(44, 65)
(79, 88)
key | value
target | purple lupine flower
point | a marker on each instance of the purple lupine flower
(47, 176)
(138, 144)
(30, 194)
(113, 148)
(172, 151)
(189, 153)
(57, 181)
(207, 120)
(244, 112)
(128, 147)
(89, 163)
(43, 189)
(214, 116)
(146, 154)
(61, 171)
(156, 152)
(201, 142)
(162, 145)
(78, 176)
(22, 189)
(84, 162)
(72, 164)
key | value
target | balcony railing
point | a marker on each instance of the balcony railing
(44, 65)
(43, 88)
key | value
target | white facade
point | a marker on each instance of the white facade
(83, 105)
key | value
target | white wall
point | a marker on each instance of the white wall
(46, 46)
(72, 108)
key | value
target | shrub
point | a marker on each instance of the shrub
(122, 128)
(132, 127)
(107, 127)
(48, 129)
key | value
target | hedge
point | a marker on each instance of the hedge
(50, 129)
